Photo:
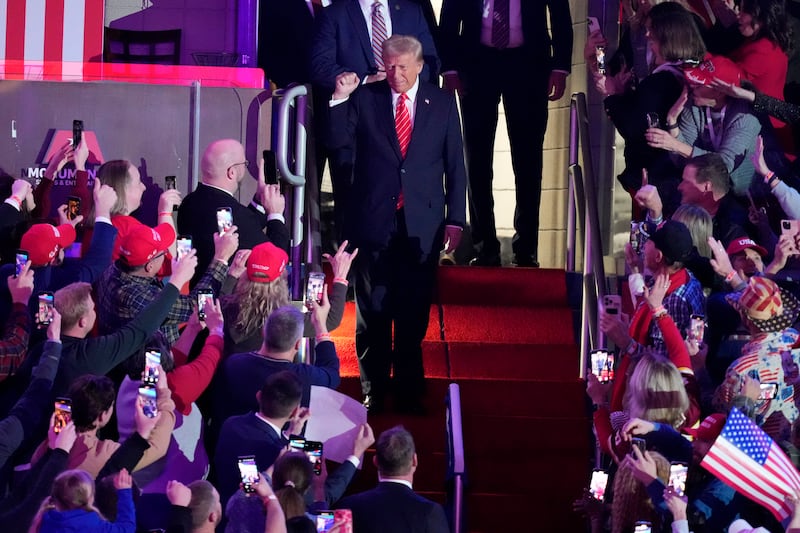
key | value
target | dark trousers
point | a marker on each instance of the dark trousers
(522, 84)
(393, 288)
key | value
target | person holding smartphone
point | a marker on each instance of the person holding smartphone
(14, 344)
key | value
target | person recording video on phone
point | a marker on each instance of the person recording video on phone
(223, 167)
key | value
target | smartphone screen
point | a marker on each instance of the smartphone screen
(270, 167)
(63, 414)
(602, 365)
(19, 262)
(297, 444)
(677, 477)
(202, 297)
(697, 328)
(149, 404)
(600, 55)
(184, 245)
(325, 520)
(248, 472)
(316, 283)
(169, 182)
(152, 358)
(73, 207)
(769, 391)
(597, 486)
(77, 132)
(638, 443)
(642, 527)
(45, 312)
(313, 450)
(224, 219)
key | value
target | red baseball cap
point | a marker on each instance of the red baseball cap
(266, 263)
(739, 245)
(713, 67)
(709, 429)
(143, 243)
(43, 241)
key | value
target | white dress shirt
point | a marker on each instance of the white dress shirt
(366, 10)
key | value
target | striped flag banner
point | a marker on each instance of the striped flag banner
(747, 459)
(51, 30)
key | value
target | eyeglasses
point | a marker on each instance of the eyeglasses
(245, 163)
(162, 254)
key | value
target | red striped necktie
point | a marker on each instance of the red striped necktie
(378, 34)
(402, 123)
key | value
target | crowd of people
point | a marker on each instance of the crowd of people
(696, 90)
(138, 374)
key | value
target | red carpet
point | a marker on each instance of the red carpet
(506, 336)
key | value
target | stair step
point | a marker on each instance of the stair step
(522, 436)
(434, 357)
(530, 362)
(523, 398)
(525, 287)
(522, 325)
(549, 511)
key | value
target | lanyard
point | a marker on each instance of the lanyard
(716, 136)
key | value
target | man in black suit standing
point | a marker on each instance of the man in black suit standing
(407, 199)
(259, 433)
(223, 168)
(393, 506)
(505, 51)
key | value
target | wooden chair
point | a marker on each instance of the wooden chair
(130, 46)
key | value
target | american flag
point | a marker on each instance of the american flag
(51, 30)
(747, 459)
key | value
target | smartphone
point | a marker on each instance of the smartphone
(248, 472)
(45, 312)
(169, 183)
(297, 444)
(636, 237)
(677, 477)
(612, 304)
(597, 486)
(592, 24)
(769, 391)
(316, 283)
(313, 450)
(271, 174)
(77, 132)
(602, 365)
(697, 328)
(642, 527)
(184, 245)
(19, 262)
(224, 219)
(203, 295)
(326, 519)
(149, 404)
(638, 443)
(653, 120)
(73, 207)
(152, 358)
(600, 56)
(790, 228)
(63, 414)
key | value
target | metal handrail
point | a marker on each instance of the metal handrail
(583, 198)
(292, 104)
(456, 462)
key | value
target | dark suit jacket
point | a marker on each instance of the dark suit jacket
(243, 435)
(197, 216)
(286, 29)
(460, 33)
(394, 508)
(341, 41)
(366, 123)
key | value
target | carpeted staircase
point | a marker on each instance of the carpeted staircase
(505, 335)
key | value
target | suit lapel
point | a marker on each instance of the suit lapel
(385, 114)
(358, 22)
(422, 114)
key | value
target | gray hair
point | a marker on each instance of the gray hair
(397, 45)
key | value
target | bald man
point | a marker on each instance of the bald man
(222, 170)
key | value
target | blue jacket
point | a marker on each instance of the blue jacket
(81, 521)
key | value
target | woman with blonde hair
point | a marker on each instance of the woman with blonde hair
(264, 288)
(656, 392)
(700, 225)
(70, 507)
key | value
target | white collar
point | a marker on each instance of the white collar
(395, 480)
(226, 191)
(275, 428)
(411, 93)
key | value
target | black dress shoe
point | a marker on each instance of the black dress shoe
(373, 403)
(525, 260)
(486, 261)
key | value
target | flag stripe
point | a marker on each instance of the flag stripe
(742, 479)
(3, 27)
(53, 30)
(93, 29)
(74, 14)
(34, 30)
(15, 21)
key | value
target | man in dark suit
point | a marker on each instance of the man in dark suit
(393, 506)
(401, 210)
(516, 58)
(260, 433)
(223, 167)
